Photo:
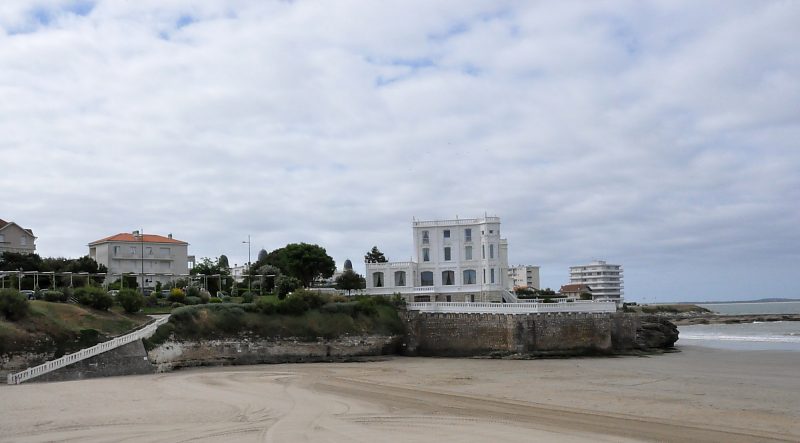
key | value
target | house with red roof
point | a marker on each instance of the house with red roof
(151, 258)
(15, 238)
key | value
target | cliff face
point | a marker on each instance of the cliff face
(246, 350)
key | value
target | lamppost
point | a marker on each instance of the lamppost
(249, 278)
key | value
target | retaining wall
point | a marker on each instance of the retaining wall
(128, 359)
(450, 334)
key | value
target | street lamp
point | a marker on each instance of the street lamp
(249, 278)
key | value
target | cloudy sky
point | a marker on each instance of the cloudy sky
(663, 136)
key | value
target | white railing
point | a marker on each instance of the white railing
(44, 368)
(512, 308)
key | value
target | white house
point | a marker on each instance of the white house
(15, 238)
(604, 279)
(460, 260)
(152, 258)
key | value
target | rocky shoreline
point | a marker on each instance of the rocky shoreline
(685, 318)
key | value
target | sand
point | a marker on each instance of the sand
(695, 395)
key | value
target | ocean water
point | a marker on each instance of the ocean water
(758, 336)
(780, 307)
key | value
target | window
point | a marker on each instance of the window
(377, 279)
(472, 298)
(425, 238)
(116, 250)
(426, 254)
(468, 234)
(448, 278)
(491, 231)
(149, 250)
(449, 299)
(484, 275)
(2, 238)
(426, 278)
(400, 278)
(483, 252)
(447, 254)
(23, 241)
(469, 276)
(446, 233)
(164, 252)
(468, 253)
(491, 251)
(132, 250)
(491, 275)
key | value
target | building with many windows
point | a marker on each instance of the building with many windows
(152, 258)
(461, 260)
(523, 276)
(604, 279)
(15, 238)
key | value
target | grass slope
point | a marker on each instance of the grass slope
(62, 328)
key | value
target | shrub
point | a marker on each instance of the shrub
(193, 291)
(215, 300)
(193, 300)
(54, 296)
(177, 295)
(314, 300)
(96, 298)
(226, 299)
(235, 291)
(204, 297)
(132, 301)
(247, 297)
(13, 305)
(176, 305)
(152, 300)
(285, 284)
(265, 306)
(292, 306)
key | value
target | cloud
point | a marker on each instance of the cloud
(659, 136)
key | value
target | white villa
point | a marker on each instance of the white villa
(152, 258)
(461, 260)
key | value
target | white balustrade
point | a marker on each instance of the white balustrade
(512, 308)
(83, 354)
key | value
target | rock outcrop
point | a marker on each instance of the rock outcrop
(655, 332)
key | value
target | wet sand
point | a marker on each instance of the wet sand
(696, 395)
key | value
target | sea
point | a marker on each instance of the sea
(758, 336)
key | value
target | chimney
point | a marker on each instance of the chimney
(170, 235)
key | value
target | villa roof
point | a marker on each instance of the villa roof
(145, 238)
(575, 287)
(4, 224)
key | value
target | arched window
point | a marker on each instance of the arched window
(400, 278)
(426, 278)
(377, 279)
(448, 278)
(469, 276)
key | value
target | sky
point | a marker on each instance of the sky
(662, 136)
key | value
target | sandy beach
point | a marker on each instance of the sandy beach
(699, 394)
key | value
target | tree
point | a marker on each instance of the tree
(211, 267)
(303, 261)
(349, 280)
(222, 261)
(132, 301)
(375, 256)
(262, 256)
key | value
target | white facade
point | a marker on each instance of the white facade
(152, 258)
(461, 260)
(604, 279)
(523, 276)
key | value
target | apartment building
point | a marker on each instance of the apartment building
(604, 279)
(523, 276)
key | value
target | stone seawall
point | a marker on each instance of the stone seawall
(251, 350)
(461, 335)
(129, 359)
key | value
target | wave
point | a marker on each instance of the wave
(791, 338)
